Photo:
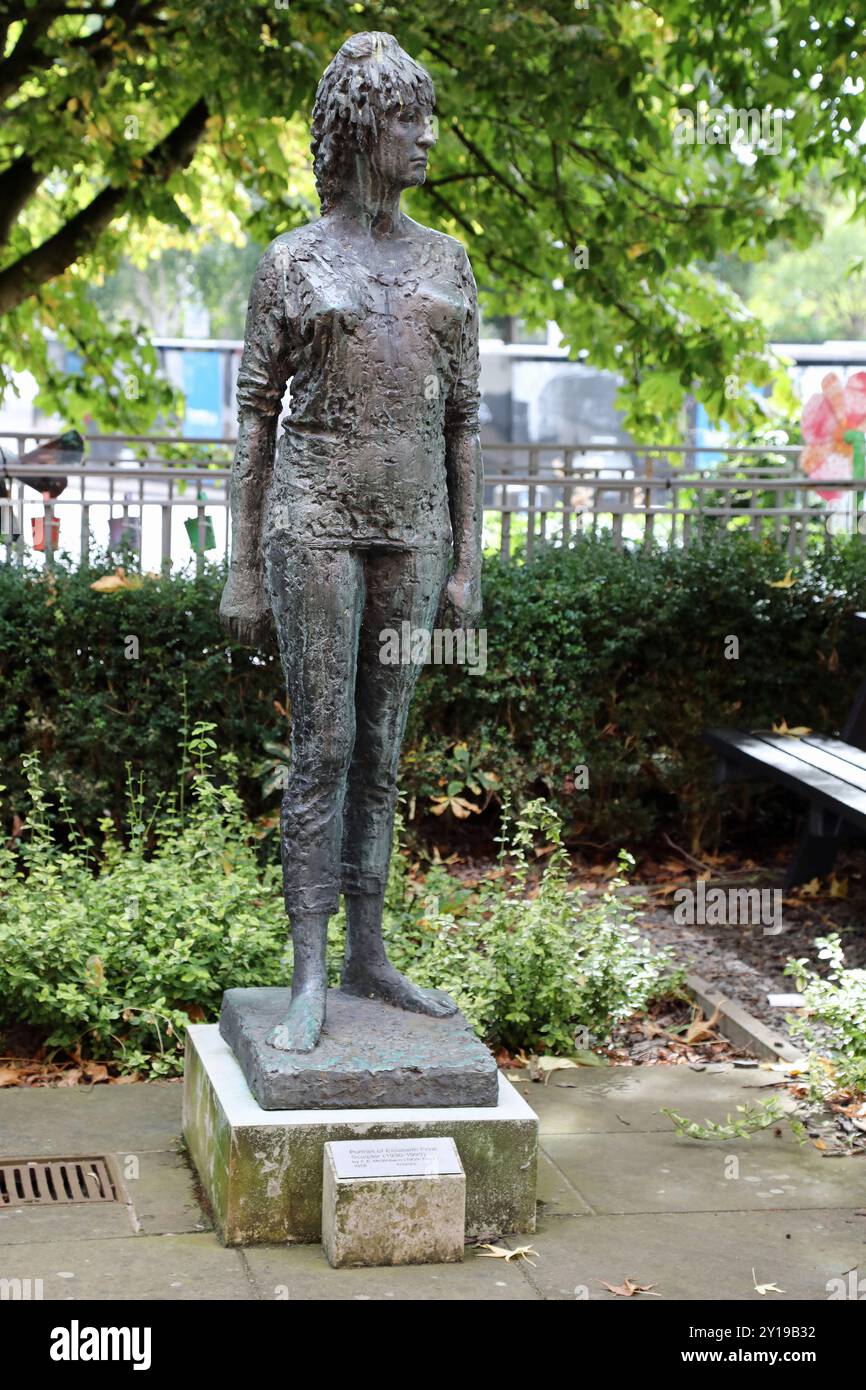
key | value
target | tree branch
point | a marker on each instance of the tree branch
(25, 53)
(96, 45)
(23, 277)
(455, 178)
(21, 179)
(18, 183)
(494, 173)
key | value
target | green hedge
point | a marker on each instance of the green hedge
(598, 659)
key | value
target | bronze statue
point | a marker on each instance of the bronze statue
(371, 513)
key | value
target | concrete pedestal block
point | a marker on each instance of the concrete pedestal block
(261, 1170)
(403, 1219)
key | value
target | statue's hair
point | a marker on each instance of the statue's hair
(368, 78)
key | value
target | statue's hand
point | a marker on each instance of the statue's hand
(245, 610)
(461, 604)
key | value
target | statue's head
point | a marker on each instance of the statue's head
(374, 104)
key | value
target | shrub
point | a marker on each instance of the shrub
(834, 1027)
(615, 661)
(114, 959)
(116, 962)
(529, 963)
(77, 691)
(612, 661)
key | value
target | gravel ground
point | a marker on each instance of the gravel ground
(717, 955)
(745, 962)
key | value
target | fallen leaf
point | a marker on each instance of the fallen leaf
(458, 805)
(628, 1288)
(585, 1058)
(95, 1071)
(548, 1065)
(786, 583)
(702, 1029)
(110, 583)
(838, 887)
(499, 1252)
(799, 730)
(765, 1288)
(10, 1076)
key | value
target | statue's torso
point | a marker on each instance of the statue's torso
(376, 349)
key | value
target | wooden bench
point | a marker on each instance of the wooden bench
(829, 773)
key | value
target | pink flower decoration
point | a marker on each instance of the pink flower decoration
(826, 417)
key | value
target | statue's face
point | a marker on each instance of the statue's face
(405, 138)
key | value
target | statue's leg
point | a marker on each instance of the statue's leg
(317, 598)
(400, 587)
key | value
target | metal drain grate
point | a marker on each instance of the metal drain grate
(30, 1181)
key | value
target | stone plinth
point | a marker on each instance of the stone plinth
(370, 1055)
(392, 1218)
(262, 1169)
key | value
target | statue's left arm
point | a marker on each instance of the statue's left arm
(464, 469)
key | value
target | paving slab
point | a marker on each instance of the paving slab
(555, 1193)
(63, 1222)
(38, 1121)
(302, 1272)
(667, 1173)
(698, 1255)
(623, 1100)
(134, 1267)
(162, 1189)
(621, 1195)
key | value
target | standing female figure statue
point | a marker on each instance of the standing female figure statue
(371, 513)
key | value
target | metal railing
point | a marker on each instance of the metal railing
(171, 510)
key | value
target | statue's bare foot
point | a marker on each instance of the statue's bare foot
(385, 983)
(303, 1023)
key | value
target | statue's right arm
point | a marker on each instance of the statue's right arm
(264, 371)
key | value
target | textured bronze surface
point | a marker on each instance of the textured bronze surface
(370, 1055)
(368, 513)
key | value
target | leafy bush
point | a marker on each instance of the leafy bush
(597, 659)
(528, 963)
(116, 962)
(76, 689)
(615, 662)
(115, 959)
(834, 1028)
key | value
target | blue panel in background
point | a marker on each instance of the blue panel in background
(706, 433)
(202, 385)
